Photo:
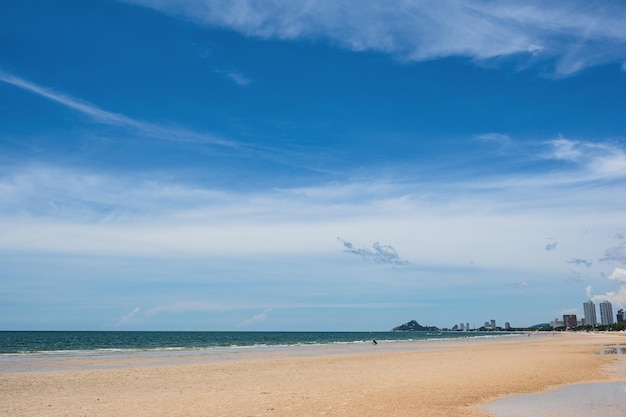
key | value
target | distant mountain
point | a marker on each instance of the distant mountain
(539, 326)
(414, 326)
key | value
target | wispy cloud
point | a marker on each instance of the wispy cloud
(262, 316)
(563, 149)
(581, 262)
(235, 76)
(127, 318)
(185, 306)
(576, 34)
(615, 254)
(499, 138)
(599, 160)
(522, 285)
(101, 116)
(551, 247)
(383, 254)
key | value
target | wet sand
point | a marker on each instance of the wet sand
(452, 378)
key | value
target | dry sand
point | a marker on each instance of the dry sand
(444, 379)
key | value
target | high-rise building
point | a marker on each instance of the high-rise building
(590, 313)
(621, 315)
(570, 320)
(606, 313)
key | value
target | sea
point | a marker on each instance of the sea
(80, 343)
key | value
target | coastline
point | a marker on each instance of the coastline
(430, 378)
(139, 357)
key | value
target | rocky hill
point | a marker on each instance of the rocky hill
(414, 326)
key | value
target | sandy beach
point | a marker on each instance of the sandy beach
(435, 379)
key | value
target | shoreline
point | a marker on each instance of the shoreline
(117, 341)
(442, 378)
(116, 358)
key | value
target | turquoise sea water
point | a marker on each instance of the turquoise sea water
(56, 342)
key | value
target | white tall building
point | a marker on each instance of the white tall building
(556, 323)
(606, 313)
(590, 313)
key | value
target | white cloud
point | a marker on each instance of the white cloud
(619, 274)
(618, 297)
(564, 149)
(576, 34)
(613, 163)
(598, 160)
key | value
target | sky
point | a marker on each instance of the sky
(309, 165)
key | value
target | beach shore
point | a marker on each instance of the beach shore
(445, 378)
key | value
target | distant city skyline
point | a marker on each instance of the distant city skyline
(236, 165)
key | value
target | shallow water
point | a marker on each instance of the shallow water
(580, 400)
(597, 400)
(614, 350)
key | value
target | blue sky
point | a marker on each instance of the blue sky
(313, 165)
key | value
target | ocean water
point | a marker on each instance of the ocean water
(29, 343)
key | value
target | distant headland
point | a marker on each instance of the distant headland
(414, 326)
